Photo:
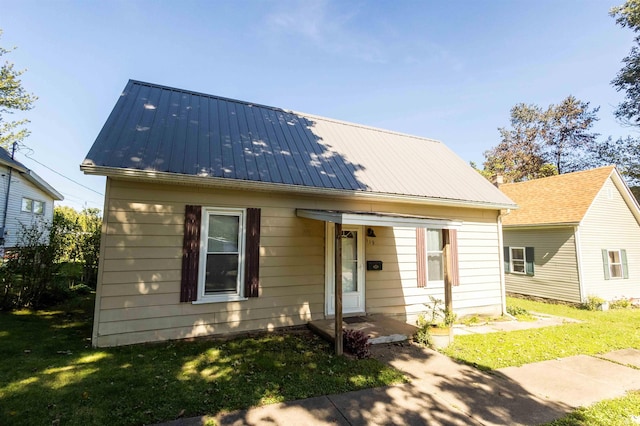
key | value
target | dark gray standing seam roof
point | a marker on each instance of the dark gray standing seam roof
(161, 129)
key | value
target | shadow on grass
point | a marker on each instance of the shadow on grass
(51, 374)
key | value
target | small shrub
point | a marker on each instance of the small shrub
(516, 310)
(423, 336)
(357, 343)
(592, 303)
(621, 303)
(449, 318)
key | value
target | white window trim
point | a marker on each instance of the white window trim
(441, 252)
(524, 260)
(204, 234)
(609, 265)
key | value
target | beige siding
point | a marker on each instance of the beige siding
(139, 282)
(555, 265)
(609, 224)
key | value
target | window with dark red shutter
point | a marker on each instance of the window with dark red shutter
(221, 254)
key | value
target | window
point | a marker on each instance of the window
(519, 260)
(435, 266)
(32, 206)
(615, 264)
(435, 250)
(221, 254)
(27, 205)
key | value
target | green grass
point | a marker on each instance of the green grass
(50, 374)
(613, 412)
(599, 332)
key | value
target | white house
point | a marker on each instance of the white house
(24, 199)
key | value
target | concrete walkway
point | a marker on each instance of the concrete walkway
(444, 392)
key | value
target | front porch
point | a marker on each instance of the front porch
(379, 328)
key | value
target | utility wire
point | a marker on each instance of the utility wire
(60, 174)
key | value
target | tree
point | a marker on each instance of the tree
(12, 97)
(628, 78)
(624, 153)
(565, 131)
(519, 154)
(543, 143)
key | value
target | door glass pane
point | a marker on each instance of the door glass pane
(349, 261)
(221, 273)
(223, 234)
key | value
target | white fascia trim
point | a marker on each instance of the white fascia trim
(372, 219)
(207, 181)
(540, 226)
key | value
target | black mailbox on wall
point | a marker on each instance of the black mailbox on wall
(374, 265)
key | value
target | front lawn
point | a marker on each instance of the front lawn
(599, 332)
(49, 374)
(618, 411)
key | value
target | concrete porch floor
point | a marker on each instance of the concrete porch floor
(379, 328)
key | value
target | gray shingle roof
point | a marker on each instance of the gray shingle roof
(161, 129)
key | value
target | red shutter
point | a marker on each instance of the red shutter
(421, 256)
(451, 238)
(252, 254)
(190, 253)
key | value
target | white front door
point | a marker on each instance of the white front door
(352, 269)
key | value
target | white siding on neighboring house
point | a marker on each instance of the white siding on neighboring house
(555, 263)
(609, 224)
(20, 187)
(140, 270)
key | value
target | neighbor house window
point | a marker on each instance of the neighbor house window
(615, 263)
(519, 260)
(435, 268)
(32, 206)
(221, 254)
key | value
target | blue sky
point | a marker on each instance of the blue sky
(444, 70)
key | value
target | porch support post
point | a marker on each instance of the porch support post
(338, 289)
(448, 293)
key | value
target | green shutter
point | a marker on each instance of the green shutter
(605, 264)
(506, 259)
(625, 267)
(529, 259)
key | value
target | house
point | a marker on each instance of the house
(575, 235)
(224, 216)
(24, 199)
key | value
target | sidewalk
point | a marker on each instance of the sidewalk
(444, 392)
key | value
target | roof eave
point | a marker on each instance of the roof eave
(155, 176)
(41, 184)
(541, 225)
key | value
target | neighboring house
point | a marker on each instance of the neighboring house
(25, 198)
(221, 216)
(575, 235)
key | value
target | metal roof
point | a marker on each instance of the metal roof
(162, 131)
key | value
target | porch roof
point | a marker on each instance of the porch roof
(378, 219)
